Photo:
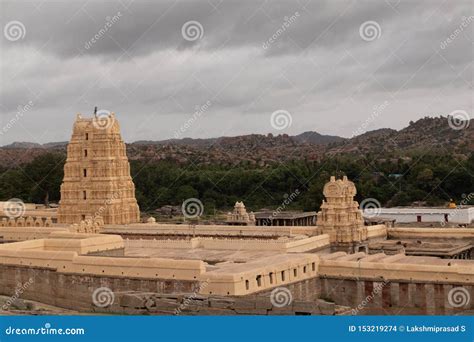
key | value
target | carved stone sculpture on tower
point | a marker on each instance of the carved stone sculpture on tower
(340, 216)
(97, 181)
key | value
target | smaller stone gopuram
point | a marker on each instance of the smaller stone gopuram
(341, 218)
(240, 216)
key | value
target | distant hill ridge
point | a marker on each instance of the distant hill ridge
(306, 137)
(426, 134)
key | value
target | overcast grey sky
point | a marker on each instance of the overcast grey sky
(313, 59)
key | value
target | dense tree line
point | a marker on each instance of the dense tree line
(433, 179)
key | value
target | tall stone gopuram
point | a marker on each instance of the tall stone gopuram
(341, 218)
(97, 181)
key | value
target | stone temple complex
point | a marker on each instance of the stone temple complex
(95, 255)
(97, 178)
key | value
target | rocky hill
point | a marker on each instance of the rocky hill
(427, 134)
(316, 138)
(434, 134)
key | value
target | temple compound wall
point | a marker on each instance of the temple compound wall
(68, 267)
(160, 229)
(33, 210)
(283, 245)
(97, 179)
(381, 284)
(433, 234)
(29, 221)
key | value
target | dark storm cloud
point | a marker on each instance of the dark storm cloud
(254, 57)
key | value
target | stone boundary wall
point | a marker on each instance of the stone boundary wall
(192, 304)
(211, 230)
(165, 297)
(375, 297)
(434, 234)
(29, 221)
(67, 242)
(394, 284)
(162, 244)
(31, 209)
(151, 297)
(390, 269)
(75, 291)
(377, 232)
(71, 262)
(285, 246)
(28, 233)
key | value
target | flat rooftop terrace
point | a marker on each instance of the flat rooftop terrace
(209, 256)
(233, 249)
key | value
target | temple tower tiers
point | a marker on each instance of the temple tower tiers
(340, 216)
(97, 179)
